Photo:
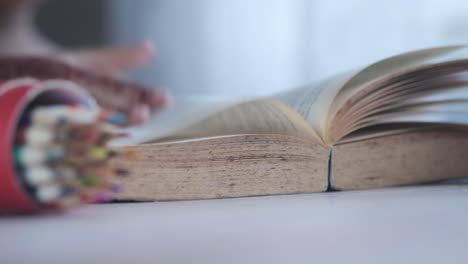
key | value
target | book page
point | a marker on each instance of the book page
(221, 167)
(183, 112)
(419, 117)
(444, 113)
(313, 101)
(394, 70)
(408, 158)
(253, 117)
(398, 65)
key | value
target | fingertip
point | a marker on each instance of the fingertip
(139, 115)
(146, 50)
(159, 99)
(138, 55)
(148, 46)
(169, 99)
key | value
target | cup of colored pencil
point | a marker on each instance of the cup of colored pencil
(54, 148)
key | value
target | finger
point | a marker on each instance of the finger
(112, 61)
(155, 98)
(133, 99)
(136, 101)
(139, 114)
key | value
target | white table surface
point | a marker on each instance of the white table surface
(402, 225)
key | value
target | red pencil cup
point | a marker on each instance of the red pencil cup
(15, 97)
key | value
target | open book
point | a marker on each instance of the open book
(398, 121)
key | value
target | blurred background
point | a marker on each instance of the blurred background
(255, 47)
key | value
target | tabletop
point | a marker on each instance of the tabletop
(425, 224)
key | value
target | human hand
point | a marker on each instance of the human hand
(107, 66)
(133, 99)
